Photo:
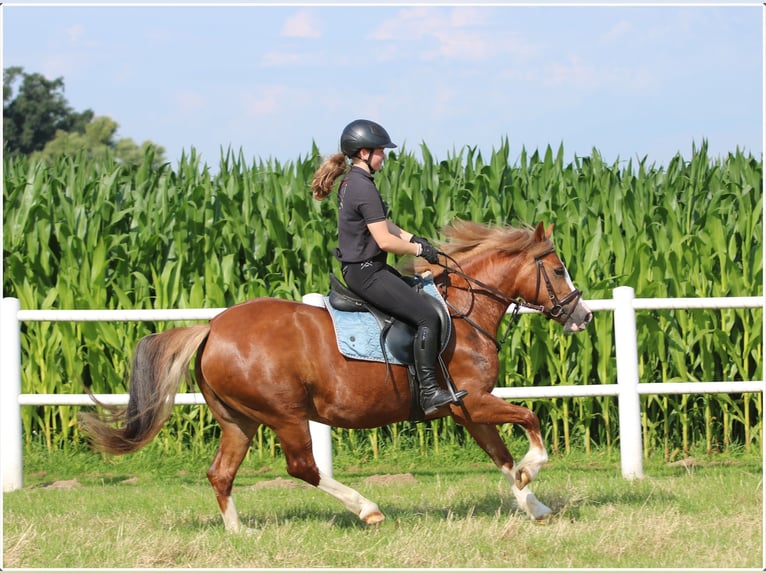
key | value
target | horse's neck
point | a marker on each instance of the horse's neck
(486, 308)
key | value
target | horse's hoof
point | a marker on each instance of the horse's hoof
(522, 479)
(545, 520)
(374, 517)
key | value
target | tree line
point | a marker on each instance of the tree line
(39, 122)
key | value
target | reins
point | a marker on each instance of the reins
(555, 312)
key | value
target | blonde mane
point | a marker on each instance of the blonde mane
(463, 238)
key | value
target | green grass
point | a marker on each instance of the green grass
(443, 511)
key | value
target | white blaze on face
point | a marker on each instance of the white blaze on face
(581, 310)
(569, 280)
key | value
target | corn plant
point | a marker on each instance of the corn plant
(90, 235)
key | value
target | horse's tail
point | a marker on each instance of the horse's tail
(159, 362)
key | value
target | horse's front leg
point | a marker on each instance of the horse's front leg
(481, 417)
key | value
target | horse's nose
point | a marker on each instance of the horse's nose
(579, 323)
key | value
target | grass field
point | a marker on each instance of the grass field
(452, 510)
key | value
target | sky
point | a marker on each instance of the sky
(631, 81)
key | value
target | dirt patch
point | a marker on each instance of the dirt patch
(276, 483)
(388, 479)
(61, 484)
(690, 462)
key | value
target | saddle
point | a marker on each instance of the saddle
(395, 335)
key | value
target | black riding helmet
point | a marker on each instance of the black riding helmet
(364, 134)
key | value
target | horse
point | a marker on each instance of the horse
(275, 362)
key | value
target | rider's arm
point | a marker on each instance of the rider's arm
(392, 239)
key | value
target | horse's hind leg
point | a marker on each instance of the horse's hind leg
(488, 438)
(235, 440)
(295, 440)
(365, 509)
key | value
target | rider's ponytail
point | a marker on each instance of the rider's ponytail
(324, 177)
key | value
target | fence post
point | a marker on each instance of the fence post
(10, 389)
(626, 351)
(321, 434)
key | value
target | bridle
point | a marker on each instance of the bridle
(557, 309)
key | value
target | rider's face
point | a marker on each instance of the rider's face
(376, 158)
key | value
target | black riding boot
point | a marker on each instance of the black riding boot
(432, 396)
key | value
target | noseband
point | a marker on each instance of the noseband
(557, 308)
(556, 311)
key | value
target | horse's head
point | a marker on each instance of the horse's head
(508, 266)
(550, 287)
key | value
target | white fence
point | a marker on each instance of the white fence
(627, 388)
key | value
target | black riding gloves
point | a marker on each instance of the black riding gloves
(427, 251)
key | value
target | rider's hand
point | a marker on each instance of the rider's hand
(427, 251)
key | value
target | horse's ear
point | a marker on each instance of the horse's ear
(541, 234)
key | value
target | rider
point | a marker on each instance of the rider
(366, 235)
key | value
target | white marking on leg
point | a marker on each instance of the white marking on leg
(355, 502)
(230, 517)
(525, 499)
(529, 503)
(533, 462)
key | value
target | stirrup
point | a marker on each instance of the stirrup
(457, 396)
(454, 398)
(435, 407)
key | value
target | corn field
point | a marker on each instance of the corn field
(84, 235)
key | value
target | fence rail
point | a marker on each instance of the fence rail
(627, 388)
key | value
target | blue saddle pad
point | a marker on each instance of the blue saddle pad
(358, 333)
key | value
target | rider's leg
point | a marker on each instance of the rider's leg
(383, 286)
(426, 350)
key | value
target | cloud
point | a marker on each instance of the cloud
(619, 31)
(577, 74)
(424, 22)
(463, 34)
(456, 34)
(302, 24)
(74, 34)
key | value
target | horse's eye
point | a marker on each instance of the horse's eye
(560, 272)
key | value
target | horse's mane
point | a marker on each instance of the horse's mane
(462, 238)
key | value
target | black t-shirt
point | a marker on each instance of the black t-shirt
(359, 203)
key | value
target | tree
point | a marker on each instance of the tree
(97, 142)
(38, 121)
(32, 117)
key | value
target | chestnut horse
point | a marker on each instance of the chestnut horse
(275, 362)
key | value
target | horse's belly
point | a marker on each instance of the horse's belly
(273, 358)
